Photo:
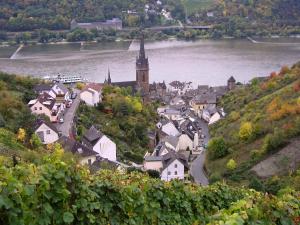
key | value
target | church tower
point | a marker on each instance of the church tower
(142, 69)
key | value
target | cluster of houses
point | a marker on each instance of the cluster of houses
(181, 133)
(51, 102)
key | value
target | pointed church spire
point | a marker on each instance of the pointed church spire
(108, 79)
(142, 48)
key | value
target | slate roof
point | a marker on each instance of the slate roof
(209, 98)
(39, 122)
(42, 87)
(151, 158)
(102, 162)
(75, 147)
(91, 136)
(172, 140)
(47, 100)
(171, 157)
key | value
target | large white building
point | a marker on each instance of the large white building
(92, 94)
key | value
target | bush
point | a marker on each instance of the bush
(217, 148)
(231, 164)
(246, 131)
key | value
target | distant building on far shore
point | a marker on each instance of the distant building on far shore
(115, 24)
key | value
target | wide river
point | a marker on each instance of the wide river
(202, 62)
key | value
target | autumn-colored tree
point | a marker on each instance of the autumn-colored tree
(246, 131)
(296, 86)
(284, 70)
(231, 164)
(273, 75)
(21, 135)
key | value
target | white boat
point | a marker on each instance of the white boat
(65, 79)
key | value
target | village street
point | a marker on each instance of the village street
(65, 127)
(197, 165)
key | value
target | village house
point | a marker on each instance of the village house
(47, 132)
(60, 92)
(200, 102)
(100, 143)
(166, 128)
(212, 114)
(92, 94)
(86, 154)
(171, 165)
(174, 166)
(45, 104)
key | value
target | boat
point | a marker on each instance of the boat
(65, 79)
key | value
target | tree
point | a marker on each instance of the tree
(231, 164)
(21, 135)
(35, 141)
(217, 148)
(246, 131)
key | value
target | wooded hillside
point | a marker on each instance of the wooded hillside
(263, 117)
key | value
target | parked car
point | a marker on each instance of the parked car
(73, 95)
(61, 120)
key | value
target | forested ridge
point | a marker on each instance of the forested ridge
(16, 15)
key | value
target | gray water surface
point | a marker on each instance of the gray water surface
(202, 62)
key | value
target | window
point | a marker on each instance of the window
(169, 173)
(144, 77)
(41, 108)
(89, 161)
(35, 108)
(175, 165)
(175, 172)
(48, 132)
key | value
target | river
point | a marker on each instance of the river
(202, 62)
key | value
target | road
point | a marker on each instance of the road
(66, 127)
(197, 170)
(197, 165)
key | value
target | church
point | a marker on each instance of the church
(141, 83)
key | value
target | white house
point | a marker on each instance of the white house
(60, 91)
(91, 95)
(168, 128)
(185, 142)
(214, 118)
(174, 166)
(45, 104)
(46, 131)
(86, 155)
(100, 143)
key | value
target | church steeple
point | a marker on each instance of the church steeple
(108, 79)
(142, 48)
(142, 68)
